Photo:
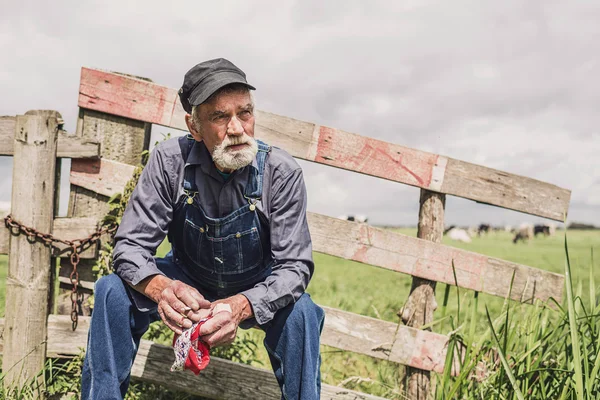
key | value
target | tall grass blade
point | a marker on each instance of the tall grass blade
(447, 375)
(507, 369)
(578, 376)
(457, 294)
(445, 305)
(472, 325)
(506, 320)
(592, 285)
(593, 378)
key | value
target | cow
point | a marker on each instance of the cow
(524, 233)
(355, 218)
(483, 228)
(543, 229)
(458, 234)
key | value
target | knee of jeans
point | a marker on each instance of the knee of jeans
(110, 289)
(308, 309)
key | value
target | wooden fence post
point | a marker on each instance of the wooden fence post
(28, 281)
(421, 304)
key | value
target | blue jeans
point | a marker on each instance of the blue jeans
(292, 341)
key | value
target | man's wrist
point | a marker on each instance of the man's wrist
(153, 286)
(246, 311)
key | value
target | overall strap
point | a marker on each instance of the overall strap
(185, 144)
(255, 175)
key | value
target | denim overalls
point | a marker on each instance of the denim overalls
(223, 255)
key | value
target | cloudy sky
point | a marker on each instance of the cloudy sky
(510, 85)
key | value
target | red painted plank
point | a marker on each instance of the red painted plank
(374, 157)
(129, 97)
(102, 176)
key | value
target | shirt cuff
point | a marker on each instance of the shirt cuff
(257, 296)
(136, 267)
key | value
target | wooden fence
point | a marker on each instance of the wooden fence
(116, 113)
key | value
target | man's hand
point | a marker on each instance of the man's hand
(179, 305)
(221, 329)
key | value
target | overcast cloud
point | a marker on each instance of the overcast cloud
(513, 85)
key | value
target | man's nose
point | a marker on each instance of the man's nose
(235, 127)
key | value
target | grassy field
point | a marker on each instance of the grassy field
(381, 293)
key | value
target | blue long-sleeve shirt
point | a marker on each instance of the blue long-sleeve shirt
(149, 212)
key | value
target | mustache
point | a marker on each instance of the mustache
(236, 140)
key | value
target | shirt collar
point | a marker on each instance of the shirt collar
(198, 154)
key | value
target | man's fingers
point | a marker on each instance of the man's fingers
(174, 328)
(169, 324)
(223, 336)
(191, 297)
(199, 315)
(212, 340)
(174, 317)
(214, 324)
(179, 307)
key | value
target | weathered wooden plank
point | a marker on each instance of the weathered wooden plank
(146, 101)
(385, 340)
(7, 135)
(432, 261)
(75, 147)
(129, 97)
(73, 229)
(486, 185)
(413, 256)
(28, 280)
(68, 146)
(102, 176)
(88, 285)
(222, 379)
(64, 228)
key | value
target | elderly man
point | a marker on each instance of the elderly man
(234, 209)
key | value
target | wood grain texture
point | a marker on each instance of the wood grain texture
(416, 257)
(103, 176)
(74, 147)
(7, 135)
(222, 379)
(146, 101)
(68, 146)
(129, 97)
(506, 190)
(28, 280)
(421, 304)
(385, 340)
(432, 261)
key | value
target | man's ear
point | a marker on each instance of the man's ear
(192, 128)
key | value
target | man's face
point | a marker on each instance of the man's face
(226, 125)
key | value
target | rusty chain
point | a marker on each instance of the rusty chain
(76, 246)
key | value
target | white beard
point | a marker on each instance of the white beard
(228, 159)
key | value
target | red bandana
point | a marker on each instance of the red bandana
(191, 352)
